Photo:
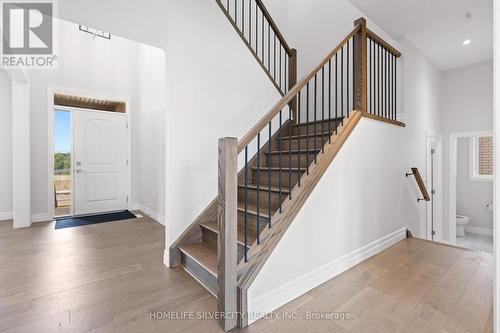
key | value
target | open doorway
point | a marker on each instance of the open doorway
(63, 182)
(471, 190)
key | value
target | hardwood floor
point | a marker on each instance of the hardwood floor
(109, 278)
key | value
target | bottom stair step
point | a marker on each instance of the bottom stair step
(200, 260)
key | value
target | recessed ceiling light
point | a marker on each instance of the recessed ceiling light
(466, 42)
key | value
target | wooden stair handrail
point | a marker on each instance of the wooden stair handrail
(247, 138)
(273, 25)
(379, 40)
(420, 183)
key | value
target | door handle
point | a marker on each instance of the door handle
(79, 171)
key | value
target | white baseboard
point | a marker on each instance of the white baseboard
(154, 215)
(5, 216)
(272, 300)
(166, 257)
(479, 230)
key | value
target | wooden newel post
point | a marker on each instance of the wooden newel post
(360, 67)
(292, 81)
(227, 218)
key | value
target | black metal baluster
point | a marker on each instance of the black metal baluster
(246, 202)
(392, 86)
(257, 30)
(330, 101)
(307, 128)
(269, 175)
(274, 77)
(385, 88)
(315, 111)
(371, 77)
(378, 83)
(269, 47)
(322, 108)
(279, 159)
(236, 12)
(348, 95)
(395, 88)
(258, 188)
(286, 71)
(250, 21)
(227, 6)
(290, 152)
(263, 37)
(336, 93)
(280, 65)
(342, 84)
(243, 16)
(299, 136)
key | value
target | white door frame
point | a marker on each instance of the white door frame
(51, 91)
(452, 180)
(438, 197)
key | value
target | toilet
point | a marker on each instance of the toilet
(462, 221)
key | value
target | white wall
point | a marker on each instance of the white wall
(112, 67)
(5, 146)
(348, 209)
(315, 27)
(151, 132)
(467, 106)
(422, 107)
(472, 195)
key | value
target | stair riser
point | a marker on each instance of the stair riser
(304, 142)
(252, 221)
(204, 276)
(274, 175)
(312, 129)
(263, 199)
(211, 237)
(293, 160)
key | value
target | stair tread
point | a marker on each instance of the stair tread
(265, 168)
(252, 209)
(294, 151)
(338, 119)
(265, 188)
(213, 225)
(203, 253)
(301, 136)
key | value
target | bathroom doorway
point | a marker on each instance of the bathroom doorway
(471, 190)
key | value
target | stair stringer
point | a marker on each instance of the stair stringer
(259, 254)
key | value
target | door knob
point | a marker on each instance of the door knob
(79, 170)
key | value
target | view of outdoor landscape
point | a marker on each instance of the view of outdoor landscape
(62, 163)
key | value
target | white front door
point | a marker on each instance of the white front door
(100, 162)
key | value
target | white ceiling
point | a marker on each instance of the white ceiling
(438, 27)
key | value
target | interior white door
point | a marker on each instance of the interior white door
(100, 147)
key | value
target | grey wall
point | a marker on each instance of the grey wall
(472, 196)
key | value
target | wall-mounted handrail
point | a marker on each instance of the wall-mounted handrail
(420, 183)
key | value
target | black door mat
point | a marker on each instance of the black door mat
(68, 222)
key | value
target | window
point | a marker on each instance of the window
(482, 157)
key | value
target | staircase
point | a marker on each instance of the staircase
(266, 176)
(269, 183)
